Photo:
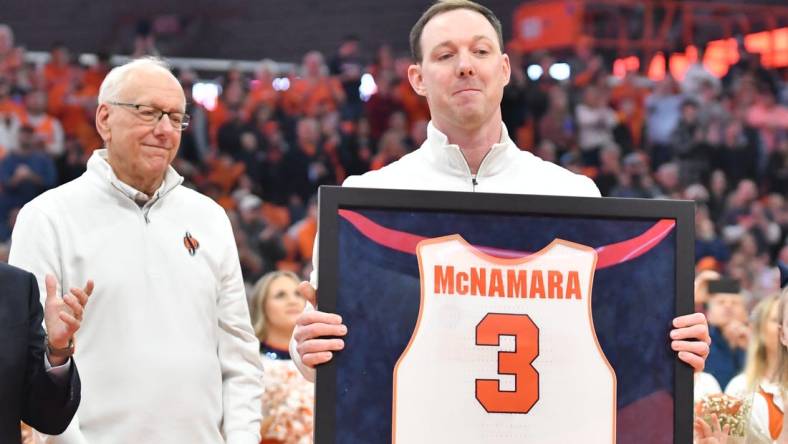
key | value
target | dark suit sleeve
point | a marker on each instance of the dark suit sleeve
(49, 403)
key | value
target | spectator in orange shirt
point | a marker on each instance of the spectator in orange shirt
(314, 93)
(628, 99)
(11, 116)
(632, 86)
(95, 74)
(46, 128)
(10, 57)
(7, 105)
(262, 92)
(391, 148)
(74, 104)
(57, 69)
(301, 235)
(631, 121)
(415, 106)
(224, 173)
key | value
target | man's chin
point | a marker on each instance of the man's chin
(470, 116)
(157, 166)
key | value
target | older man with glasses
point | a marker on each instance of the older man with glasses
(166, 353)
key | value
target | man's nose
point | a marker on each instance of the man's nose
(163, 127)
(465, 64)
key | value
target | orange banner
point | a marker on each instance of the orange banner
(547, 24)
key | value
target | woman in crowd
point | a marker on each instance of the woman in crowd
(277, 304)
(760, 379)
(757, 370)
(288, 400)
(782, 368)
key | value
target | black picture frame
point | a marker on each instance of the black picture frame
(333, 199)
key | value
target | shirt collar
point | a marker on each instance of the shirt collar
(98, 164)
(448, 156)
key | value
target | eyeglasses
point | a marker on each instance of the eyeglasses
(151, 114)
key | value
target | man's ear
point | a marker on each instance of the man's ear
(102, 123)
(507, 69)
(416, 79)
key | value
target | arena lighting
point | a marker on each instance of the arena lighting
(624, 65)
(720, 55)
(657, 68)
(206, 94)
(368, 87)
(281, 84)
(560, 71)
(534, 72)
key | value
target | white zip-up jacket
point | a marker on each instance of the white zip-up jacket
(166, 351)
(440, 166)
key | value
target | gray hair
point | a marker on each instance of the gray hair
(113, 82)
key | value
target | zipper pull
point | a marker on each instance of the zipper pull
(474, 182)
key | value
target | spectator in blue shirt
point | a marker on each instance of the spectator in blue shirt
(727, 315)
(24, 174)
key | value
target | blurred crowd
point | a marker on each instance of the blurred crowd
(266, 145)
(273, 137)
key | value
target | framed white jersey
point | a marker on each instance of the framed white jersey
(503, 319)
(494, 354)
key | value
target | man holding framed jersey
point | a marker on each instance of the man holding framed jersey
(461, 70)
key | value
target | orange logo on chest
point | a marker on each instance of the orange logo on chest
(191, 243)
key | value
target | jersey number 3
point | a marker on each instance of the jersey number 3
(517, 363)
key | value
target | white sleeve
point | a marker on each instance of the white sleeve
(239, 353)
(35, 248)
(72, 435)
(586, 187)
(309, 373)
(352, 182)
(315, 255)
